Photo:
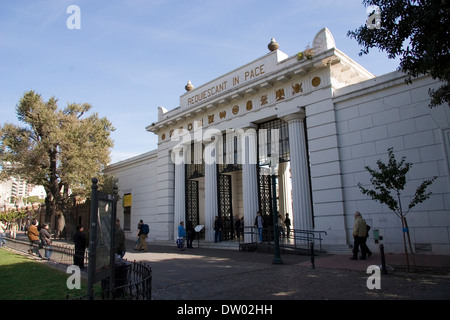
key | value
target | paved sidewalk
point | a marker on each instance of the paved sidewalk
(223, 274)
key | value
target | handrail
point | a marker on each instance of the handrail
(298, 238)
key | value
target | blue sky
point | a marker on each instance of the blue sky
(131, 56)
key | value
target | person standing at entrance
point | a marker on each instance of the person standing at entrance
(259, 223)
(181, 235)
(237, 227)
(287, 223)
(190, 231)
(217, 229)
(359, 236)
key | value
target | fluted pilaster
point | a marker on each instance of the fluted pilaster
(180, 194)
(301, 192)
(211, 205)
(250, 178)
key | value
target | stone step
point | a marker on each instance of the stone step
(337, 248)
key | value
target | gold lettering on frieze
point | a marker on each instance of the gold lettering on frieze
(297, 88)
(210, 119)
(315, 81)
(189, 126)
(235, 110)
(280, 94)
(163, 137)
(264, 100)
(223, 114)
(249, 105)
(255, 72)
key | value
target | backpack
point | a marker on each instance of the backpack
(368, 229)
(145, 229)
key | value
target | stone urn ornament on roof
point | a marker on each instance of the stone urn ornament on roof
(189, 86)
(273, 45)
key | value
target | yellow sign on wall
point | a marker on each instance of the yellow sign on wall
(127, 199)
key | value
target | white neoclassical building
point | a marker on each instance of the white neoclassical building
(315, 120)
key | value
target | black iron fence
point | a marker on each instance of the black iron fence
(60, 253)
(132, 280)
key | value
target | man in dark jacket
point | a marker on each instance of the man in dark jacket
(217, 229)
(80, 247)
(46, 240)
(120, 240)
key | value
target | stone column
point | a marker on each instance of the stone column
(211, 200)
(249, 178)
(180, 191)
(301, 217)
(285, 189)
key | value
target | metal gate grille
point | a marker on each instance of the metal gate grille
(225, 206)
(265, 196)
(192, 210)
(283, 142)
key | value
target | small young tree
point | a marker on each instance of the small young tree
(388, 182)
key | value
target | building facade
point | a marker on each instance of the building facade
(15, 190)
(309, 124)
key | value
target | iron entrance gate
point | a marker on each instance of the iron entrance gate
(193, 173)
(226, 206)
(192, 211)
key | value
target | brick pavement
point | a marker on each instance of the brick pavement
(213, 274)
(219, 274)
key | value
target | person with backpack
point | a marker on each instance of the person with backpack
(143, 231)
(360, 234)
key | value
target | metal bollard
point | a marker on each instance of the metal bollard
(312, 256)
(383, 261)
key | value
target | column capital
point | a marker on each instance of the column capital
(295, 116)
(247, 126)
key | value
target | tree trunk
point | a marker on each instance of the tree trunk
(53, 190)
(404, 242)
(60, 223)
(409, 242)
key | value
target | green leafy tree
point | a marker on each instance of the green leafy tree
(388, 182)
(415, 31)
(58, 149)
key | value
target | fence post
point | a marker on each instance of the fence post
(312, 255)
(383, 261)
(92, 239)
